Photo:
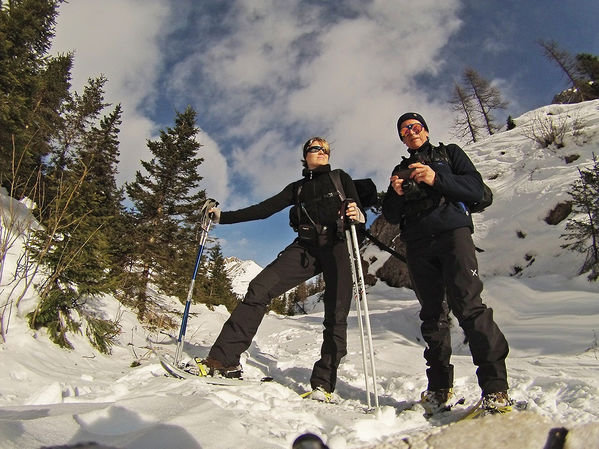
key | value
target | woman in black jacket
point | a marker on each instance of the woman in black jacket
(319, 248)
(427, 196)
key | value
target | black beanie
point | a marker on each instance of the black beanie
(408, 116)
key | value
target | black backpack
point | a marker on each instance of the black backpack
(475, 206)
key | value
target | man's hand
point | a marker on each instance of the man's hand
(396, 183)
(422, 173)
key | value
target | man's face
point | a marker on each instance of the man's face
(412, 139)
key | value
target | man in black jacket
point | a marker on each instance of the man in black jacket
(319, 248)
(427, 196)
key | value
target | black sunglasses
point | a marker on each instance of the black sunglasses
(316, 149)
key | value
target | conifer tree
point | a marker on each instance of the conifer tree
(290, 306)
(300, 296)
(167, 201)
(588, 68)
(466, 125)
(582, 230)
(486, 97)
(279, 305)
(76, 243)
(581, 71)
(33, 89)
(218, 289)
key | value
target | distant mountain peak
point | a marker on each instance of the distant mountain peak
(241, 272)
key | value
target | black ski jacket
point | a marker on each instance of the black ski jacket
(456, 181)
(318, 196)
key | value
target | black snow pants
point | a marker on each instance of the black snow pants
(445, 266)
(294, 265)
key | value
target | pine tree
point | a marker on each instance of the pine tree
(588, 68)
(78, 216)
(166, 201)
(563, 60)
(218, 285)
(279, 305)
(300, 295)
(290, 306)
(33, 89)
(583, 229)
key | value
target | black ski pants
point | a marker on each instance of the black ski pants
(294, 265)
(444, 273)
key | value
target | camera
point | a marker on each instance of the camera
(412, 191)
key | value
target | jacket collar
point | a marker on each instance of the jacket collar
(424, 149)
(307, 173)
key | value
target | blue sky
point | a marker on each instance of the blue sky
(265, 75)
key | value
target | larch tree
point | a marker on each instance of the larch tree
(581, 71)
(466, 128)
(486, 97)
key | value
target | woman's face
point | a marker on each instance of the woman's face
(318, 158)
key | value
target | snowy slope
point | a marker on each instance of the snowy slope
(54, 397)
(529, 182)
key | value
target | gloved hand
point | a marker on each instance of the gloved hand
(214, 213)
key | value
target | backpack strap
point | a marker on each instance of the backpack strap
(444, 155)
(296, 192)
(336, 179)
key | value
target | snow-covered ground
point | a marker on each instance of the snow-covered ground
(52, 397)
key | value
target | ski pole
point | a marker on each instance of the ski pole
(362, 290)
(348, 241)
(205, 223)
(359, 289)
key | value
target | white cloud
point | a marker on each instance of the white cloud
(288, 71)
(136, 129)
(118, 39)
(213, 169)
(271, 75)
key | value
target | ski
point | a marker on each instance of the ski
(173, 370)
(476, 411)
